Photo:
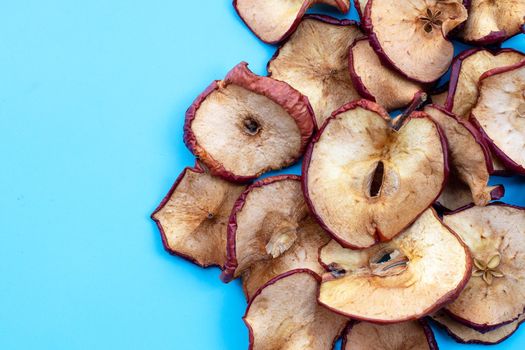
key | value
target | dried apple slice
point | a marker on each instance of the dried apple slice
(358, 171)
(467, 68)
(466, 335)
(411, 335)
(270, 232)
(470, 159)
(245, 125)
(407, 278)
(274, 20)
(303, 63)
(411, 36)
(192, 218)
(491, 22)
(495, 294)
(376, 82)
(284, 314)
(499, 114)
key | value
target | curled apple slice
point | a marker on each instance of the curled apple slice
(499, 114)
(263, 124)
(470, 159)
(302, 61)
(491, 22)
(274, 20)
(495, 294)
(376, 82)
(411, 335)
(192, 218)
(467, 68)
(407, 278)
(270, 232)
(284, 314)
(411, 36)
(467, 335)
(358, 171)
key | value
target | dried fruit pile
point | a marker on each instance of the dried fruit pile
(391, 222)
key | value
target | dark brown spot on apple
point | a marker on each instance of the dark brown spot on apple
(377, 180)
(210, 216)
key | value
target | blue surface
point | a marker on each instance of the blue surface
(92, 99)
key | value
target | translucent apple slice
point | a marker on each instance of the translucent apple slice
(376, 82)
(358, 172)
(495, 294)
(245, 125)
(466, 335)
(192, 218)
(491, 22)
(411, 36)
(274, 20)
(411, 335)
(405, 279)
(499, 114)
(302, 61)
(271, 232)
(467, 68)
(284, 314)
(470, 159)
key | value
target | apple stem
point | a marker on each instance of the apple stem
(418, 100)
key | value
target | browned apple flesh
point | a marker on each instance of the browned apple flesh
(491, 22)
(284, 314)
(466, 71)
(318, 67)
(359, 172)
(271, 232)
(467, 335)
(192, 218)
(411, 335)
(377, 82)
(495, 294)
(245, 125)
(470, 159)
(411, 36)
(500, 114)
(274, 20)
(407, 278)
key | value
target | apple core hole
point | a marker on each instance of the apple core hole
(251, 126)
(377, 180)
(388, 262)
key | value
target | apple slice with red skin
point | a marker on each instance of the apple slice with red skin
(411, 335)
(411, 36)
(466, 70)
(466, 335)
(491, 22)
(405, 279)
(376, 82)
(270, 232)
(192, 218)
(495, 294)
(499, 114)
(284, 314)
(274, 20)
(358, 171)
(469, 157)
(246, 125)
(302, 61)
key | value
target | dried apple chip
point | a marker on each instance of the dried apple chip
(495, 294)
(358, 171)
(274, 20)
(318, 67)
(411, 36)
(284, 314)
(407, 278)
(245, 125)
(376, 82)
(192, 218)
(499, 114)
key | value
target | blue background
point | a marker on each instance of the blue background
(92, 100)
